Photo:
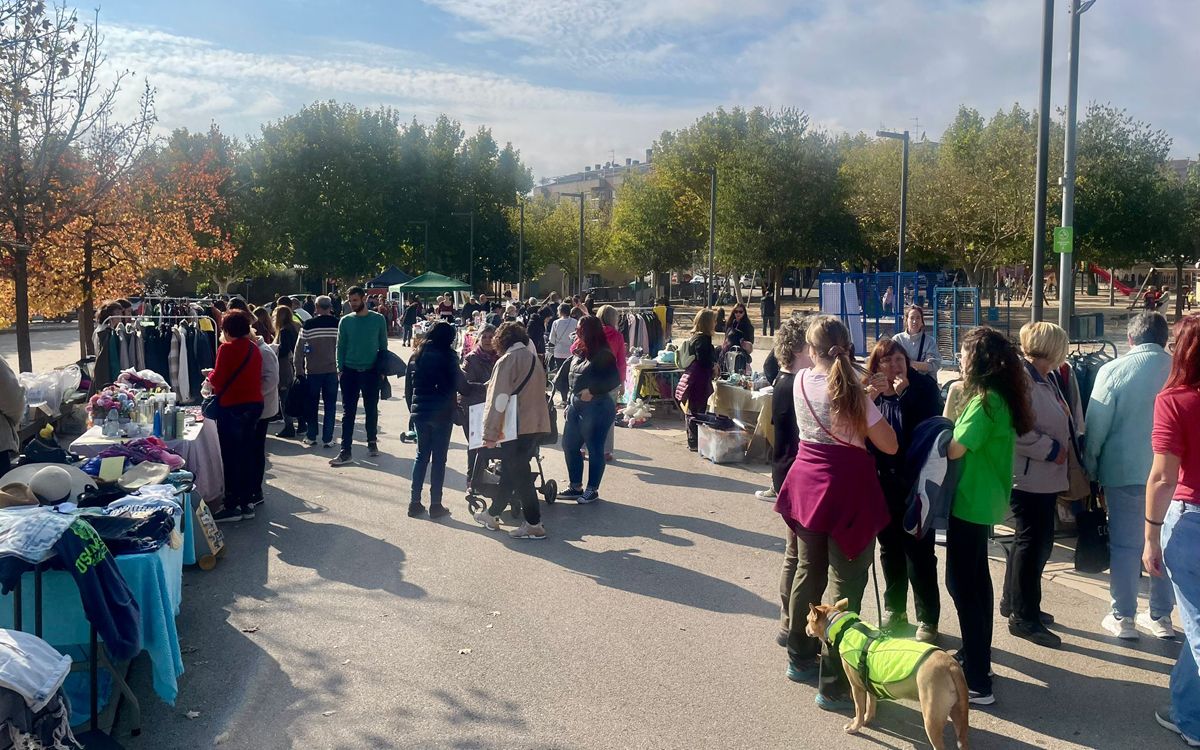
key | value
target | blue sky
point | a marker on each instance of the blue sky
(574, 82)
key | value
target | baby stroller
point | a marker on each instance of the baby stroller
(484, 485)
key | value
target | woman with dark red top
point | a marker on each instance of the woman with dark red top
(235, 382)
(1173, 520)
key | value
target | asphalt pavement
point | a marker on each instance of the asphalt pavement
(646, 620)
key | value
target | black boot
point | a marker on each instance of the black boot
(693, 435)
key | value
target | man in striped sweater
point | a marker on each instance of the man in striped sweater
(316, 361)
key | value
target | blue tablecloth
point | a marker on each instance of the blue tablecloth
(189, 529)
(156, 580)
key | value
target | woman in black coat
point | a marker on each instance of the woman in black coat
(430, 388)
(906, 399)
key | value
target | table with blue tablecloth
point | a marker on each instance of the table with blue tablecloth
(156, 580)
(199, 447)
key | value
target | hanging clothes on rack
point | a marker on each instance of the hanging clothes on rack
(1084, 363)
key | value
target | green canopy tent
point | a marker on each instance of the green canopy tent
(433, 283)
(429, 284)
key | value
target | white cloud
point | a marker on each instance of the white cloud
(863, 63)
(558, 130)
(614, 40)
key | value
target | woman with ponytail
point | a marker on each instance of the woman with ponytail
(831, 500)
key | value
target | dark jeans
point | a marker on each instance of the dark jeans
(970, 584)
(366, 383)
(321, 388)
(406, 337)
(258, 458)
(516, 479)
(588, 423)
(906, 559)
(1033, 541)
(236, 430)
(769, 324)
(433, 443)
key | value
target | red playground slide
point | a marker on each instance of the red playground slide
(1122, 288)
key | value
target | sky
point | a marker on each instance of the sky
(575, 82)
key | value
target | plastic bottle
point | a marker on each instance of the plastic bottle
(158, 420)
(180, 423)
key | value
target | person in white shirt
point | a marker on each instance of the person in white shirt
(919, 343)
(562, 334)
(298, 309)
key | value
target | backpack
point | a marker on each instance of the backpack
(685, 356)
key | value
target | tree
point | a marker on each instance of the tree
(1119, 190)
(780, 200)
(552, 234)
(52, 102)
(159, 215)
(656, 228)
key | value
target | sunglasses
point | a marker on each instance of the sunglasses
(739, 312)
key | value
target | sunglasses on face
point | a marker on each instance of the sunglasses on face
(739, 312)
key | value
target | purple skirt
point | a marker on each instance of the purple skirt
(834, 490)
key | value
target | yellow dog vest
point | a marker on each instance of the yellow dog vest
(879, 659)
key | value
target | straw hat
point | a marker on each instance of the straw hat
(16, 495)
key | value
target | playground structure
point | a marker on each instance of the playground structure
(872, 305)
(862, 303)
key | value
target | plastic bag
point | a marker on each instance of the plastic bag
(723, 446)
(69, 378)
(42, 388)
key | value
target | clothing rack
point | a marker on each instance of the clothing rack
(1103, 344)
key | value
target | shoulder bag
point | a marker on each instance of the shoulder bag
(211, 407)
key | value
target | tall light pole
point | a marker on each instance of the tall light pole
(580, 196)
(521, 251)
(902, 137)
(712, 230)
(1043, 156)
(471, 261)
(1066, 264)
(426, 223)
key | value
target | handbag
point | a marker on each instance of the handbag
(297, 398)
(1092, 551)
(211, 407)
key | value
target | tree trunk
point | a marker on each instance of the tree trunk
(87, 311)
(21, 282)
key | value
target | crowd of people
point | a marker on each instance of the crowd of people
(846, 457)
(849, 442)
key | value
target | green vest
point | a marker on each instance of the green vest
(879, 659)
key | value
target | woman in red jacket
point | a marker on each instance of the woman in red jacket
(610, 317)
(235, 382)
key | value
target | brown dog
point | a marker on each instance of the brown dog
(893, 668)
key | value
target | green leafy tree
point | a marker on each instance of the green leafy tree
(1121, 201)
(655, 227)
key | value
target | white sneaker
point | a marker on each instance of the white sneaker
(765, 494)
(487, 520)
(528, 531)
(1121, 627)
(1160, 628)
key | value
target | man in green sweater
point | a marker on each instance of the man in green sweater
(362, 335)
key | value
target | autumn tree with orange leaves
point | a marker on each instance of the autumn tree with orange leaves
(160, 214)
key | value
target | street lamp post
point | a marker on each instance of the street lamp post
(471, 260)
(521, 251)
(1043, 155)
(426, 223)
(580, 196)
(1066, 266)
(903, 138)
(712, 230)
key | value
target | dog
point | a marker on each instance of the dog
(905, 669)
